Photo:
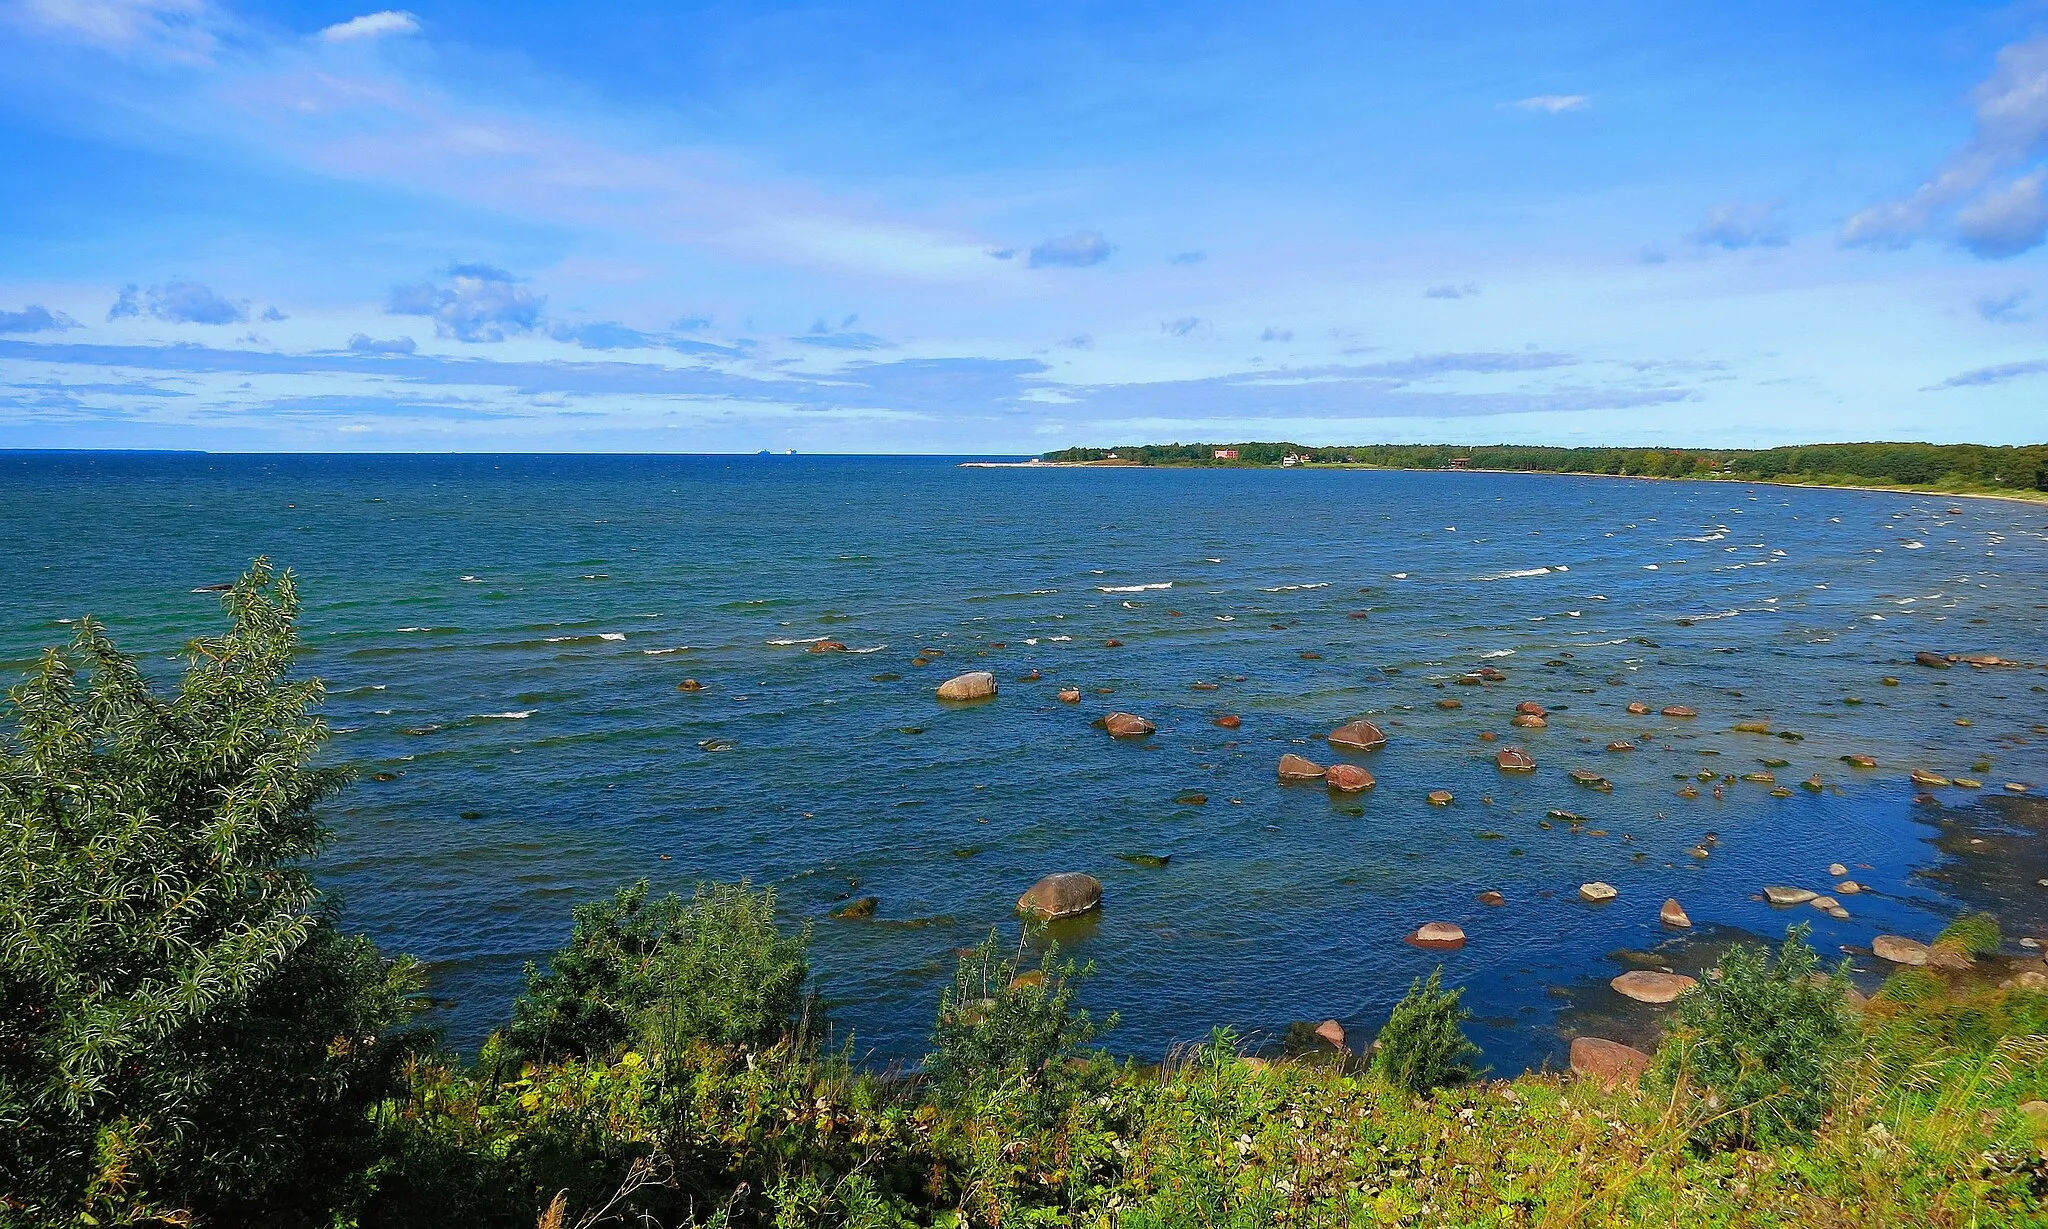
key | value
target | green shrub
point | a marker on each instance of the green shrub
(1761, 1043)
(1975, 933)
(1000, 1024)
(183, 1031)
(1424, 1045)
(665, 972)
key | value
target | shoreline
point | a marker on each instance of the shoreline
(2034, 497)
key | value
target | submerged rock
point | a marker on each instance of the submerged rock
(1358, 736)
(1145, 859)
(1645, 986)
(1450, 702)
(689, 685)
(974, 685)
(1859, 761)
(857, 910)
(1933, 661)
(1609, 1062)
(826, 646)
(1928, 780)
(1295, 768)
(1059, 895)
(1591, 780)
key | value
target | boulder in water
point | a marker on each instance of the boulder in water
(826, 646)
(1070, 695)
(1645, 986)
(1680, 710)
(1532, 709)
(689, 685)
(1296, 768)
(857, 910)
(1783, 896)
(1439, 936)
(1450, 702)
(1229, 721)
(1529, 721)
(1061, 895)
(1358, 736)
(1638, 708)
(1674, 914)
(1933, 661)
(1597, 892)
(1899, 950)
(1514, 759)
(1347, 778)
(1441, 798)
(1125, 725)
(975, 685)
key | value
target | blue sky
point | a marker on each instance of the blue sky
(1005, 228)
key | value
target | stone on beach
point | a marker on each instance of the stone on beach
(1899, 950)
(1674, 914)
(1358, 736)
(1439, 936)
(974, 685)
(1597, 892)
(1296, 768)
(1645, 986)
(1126, 725)
(1059, 895)
(1610, 1062)
(1347, 778)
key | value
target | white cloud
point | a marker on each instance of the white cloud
(372, 25)
(2011, 130)
(1735, 226)
(180, 30)
(1552, 104)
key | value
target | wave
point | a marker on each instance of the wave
(511, 716)
(1400, 575)
(1519, 572)
(1060, 639)
(1712, 537)
(1499, 653)
(587, 638)
(1914, 546)
(1321, 584)
(799, 640)
(436, 631)
(681, 648)
(1164, 584)
(878, 648)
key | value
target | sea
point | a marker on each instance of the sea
(502, 639)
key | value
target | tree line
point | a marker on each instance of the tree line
(1955, 466)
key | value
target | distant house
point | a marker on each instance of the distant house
(1226, 454)
(1460, 462)
(1291, 459)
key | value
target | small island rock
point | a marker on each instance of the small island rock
(1347, 778)
(1674, 914)
(1295, 768)
(975, 685)
(1059, 895)
(1439, 936)
(1125, 725)
(1597, 891)
(1358, 736)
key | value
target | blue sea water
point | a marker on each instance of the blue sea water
(503, 637)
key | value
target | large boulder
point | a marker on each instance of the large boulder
(974, 685)
(1358, 736)
(1610, 1062)
(1347, 778)
(1674, 914)
(1295, 768)
(1597, 892)
(1124, 725)
(1645, 986)
(1783, 896)
(1061, 895)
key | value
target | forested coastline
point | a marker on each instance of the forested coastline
(1962, 468)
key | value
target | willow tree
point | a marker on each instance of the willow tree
(185, 1036)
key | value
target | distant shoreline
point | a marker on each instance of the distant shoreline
(2020, 497)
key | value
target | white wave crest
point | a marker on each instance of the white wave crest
(1164, 584)
(520, 715)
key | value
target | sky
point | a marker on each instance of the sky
(997, 228)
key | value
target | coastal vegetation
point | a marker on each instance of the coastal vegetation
(188, 1036)
(1957, 468)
